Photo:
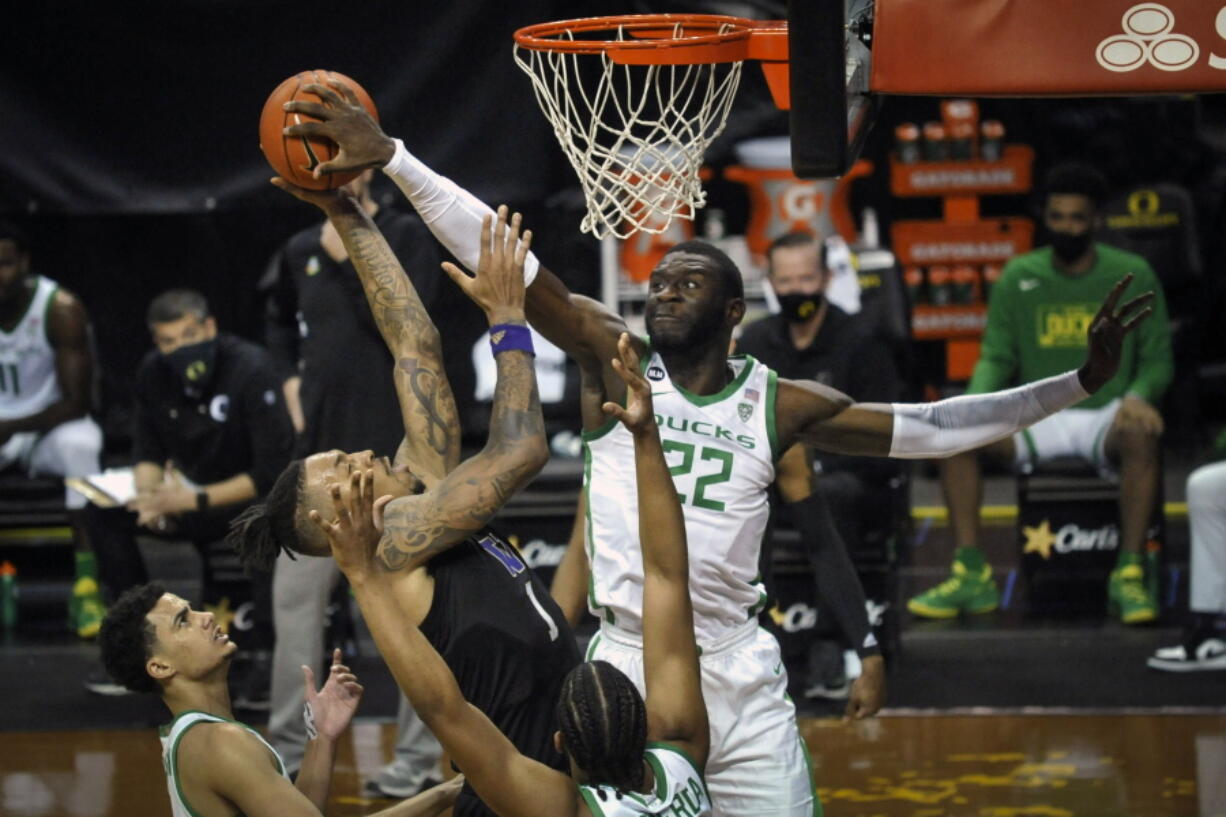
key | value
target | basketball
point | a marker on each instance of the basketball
(295, 157)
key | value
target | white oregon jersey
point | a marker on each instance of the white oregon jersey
(679, 789)
(720, 451)
(170, 737)
(28, 383)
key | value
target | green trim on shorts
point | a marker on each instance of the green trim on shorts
(591, 647)
(817, 801)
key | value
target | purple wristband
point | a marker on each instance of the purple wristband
(507, 337)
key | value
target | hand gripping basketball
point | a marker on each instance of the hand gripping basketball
(343, 118)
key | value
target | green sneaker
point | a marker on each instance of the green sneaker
(1128, 597)
(86, 607)
(966, 591)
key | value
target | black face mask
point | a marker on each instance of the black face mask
(1068, 247)
(194, 364)
(798, 307)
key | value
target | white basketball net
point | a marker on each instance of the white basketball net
(636, 139)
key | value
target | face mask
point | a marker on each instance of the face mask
(798, 307)
(1068, 247)
(194, 364)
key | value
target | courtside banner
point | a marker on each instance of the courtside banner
(1049, 47)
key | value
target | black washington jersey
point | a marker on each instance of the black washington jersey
(507, 643)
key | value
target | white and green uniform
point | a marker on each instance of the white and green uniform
(172, 734)
(721, 450)
(27, 361)
(29, 383)
(679, 789)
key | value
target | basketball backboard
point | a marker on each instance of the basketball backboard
(831, 107)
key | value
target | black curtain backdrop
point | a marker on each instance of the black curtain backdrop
(129, 146)
(153, 108)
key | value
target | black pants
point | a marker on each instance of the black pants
(113, 531)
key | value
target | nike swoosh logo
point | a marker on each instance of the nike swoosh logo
(778, 667)
(1027, 285)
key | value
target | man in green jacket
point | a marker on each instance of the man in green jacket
(1036, 327)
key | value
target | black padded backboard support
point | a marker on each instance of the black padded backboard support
(824, 110)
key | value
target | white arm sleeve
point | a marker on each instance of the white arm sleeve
(947, 427)
(452, 213)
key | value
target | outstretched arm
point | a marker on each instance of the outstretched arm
(427, 406)
(417, 527)
(582, 327)
(675, 708)
(811, 413)
(510, 783)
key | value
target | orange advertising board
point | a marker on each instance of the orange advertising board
(936, 242)
(1049, 47)
(1009, 175)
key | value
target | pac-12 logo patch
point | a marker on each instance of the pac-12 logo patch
(655, 373)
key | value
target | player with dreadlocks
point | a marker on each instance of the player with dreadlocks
(461, 584)
(629, 755)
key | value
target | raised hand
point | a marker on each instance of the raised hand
(1107, 332)
(354, 533)
(498, 286)
(361, 141)
(638, 416)
(329, 710)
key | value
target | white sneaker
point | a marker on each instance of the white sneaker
(1209, 654)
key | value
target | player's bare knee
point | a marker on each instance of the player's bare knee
(1133, 444)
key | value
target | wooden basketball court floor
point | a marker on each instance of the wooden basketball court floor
(1145, 763)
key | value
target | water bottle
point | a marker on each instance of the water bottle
(8, 596)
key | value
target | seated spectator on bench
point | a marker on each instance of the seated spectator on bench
(1036, 326)
(211, 435)
(1204, 640)
(811, 338)
(46, 369)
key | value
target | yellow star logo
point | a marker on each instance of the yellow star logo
(222, 613)
(1039, 539)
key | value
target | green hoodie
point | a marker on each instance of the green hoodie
(1038, 318)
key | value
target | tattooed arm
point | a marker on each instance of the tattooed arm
(431, 445)
(417, 527)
